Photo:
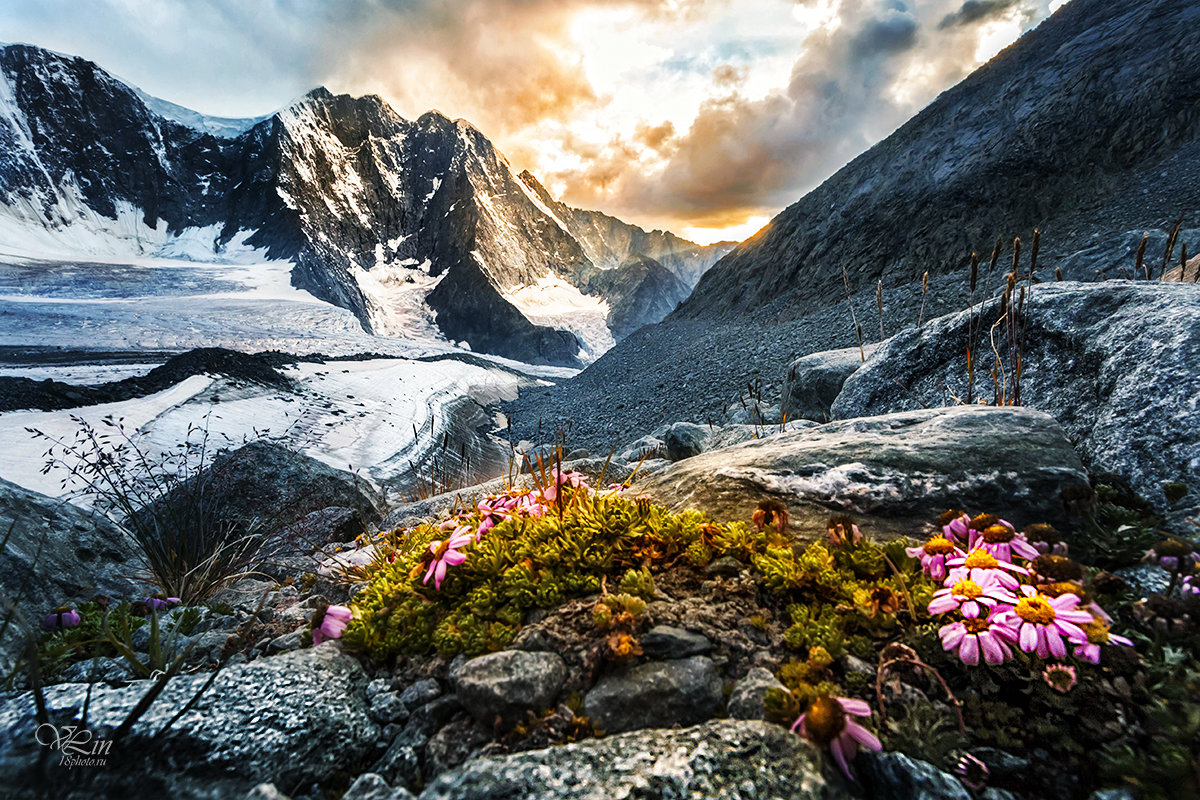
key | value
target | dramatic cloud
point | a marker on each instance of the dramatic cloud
(704, 116)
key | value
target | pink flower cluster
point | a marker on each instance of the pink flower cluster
(491, 512)
(1002, 603)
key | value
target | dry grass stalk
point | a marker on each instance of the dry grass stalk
(879, 306)
(1141, 256)
(862, 354)
(924, 290)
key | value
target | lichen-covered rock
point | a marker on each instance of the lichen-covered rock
(814, 381)
(657, 694)
(509, 682)
(668, 641)
(1115, 363)
(895, 776)
(893, 472)
(57, 554)
(721, 760)
(747, 699)
(293, 718)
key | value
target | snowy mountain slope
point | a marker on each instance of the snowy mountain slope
(419, 228)
(221, 127)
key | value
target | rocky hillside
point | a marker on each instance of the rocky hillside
(402, 222)
(1085, 128)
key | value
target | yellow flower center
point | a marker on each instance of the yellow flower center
(981, 559)
(967, 588)
(1036, 609)
(977, 625)
(997, 534)
(939, 546)
(1097, 631)
(825, 719)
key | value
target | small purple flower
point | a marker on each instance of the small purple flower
(160, 602)
(332, 623)
(933, 555)
(956, 526)
(1060, 677)
(972, 772)
(60, 618)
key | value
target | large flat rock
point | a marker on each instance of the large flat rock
(288, 719)
(892, 471)
(1116, 363)
(720, 760)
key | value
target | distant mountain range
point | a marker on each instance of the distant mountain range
(380, 215)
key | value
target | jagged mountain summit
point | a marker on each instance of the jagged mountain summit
(420, 228)
(1085, 128)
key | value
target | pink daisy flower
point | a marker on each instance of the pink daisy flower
(971, 597)
(979, 564)
(1060, 677)
(956, 526)
(933, 555)
(1097, 633)
(1003, 542)
(826, 723)
(979, 635)
(446, 554)
(1042, 622)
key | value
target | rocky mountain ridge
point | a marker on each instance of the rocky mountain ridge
(412, 225)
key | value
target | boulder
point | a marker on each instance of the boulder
(657, 694)
(892, 472)
(289, 719)
(56, 554)
(814, 381)
(684, 440)
(508, 683)
(895, 776)
(749, 693)
(370, 786)
(1116, 363)
(265, 484)
(722, 760)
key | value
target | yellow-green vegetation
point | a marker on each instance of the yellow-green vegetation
(840, 595)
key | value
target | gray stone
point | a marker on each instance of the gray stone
(91, 670)
(1112, 794)
(454, 744)
(265, 791)
(387, 707)
(647, 446)
(814, 381)
(508, 682)
(423, 691)
(370, 786)
(288, 641)
(57, 554)
(657, 694)
(140, 638)
(667, 641)
(746, 700)
(402, 762)
(895, 776)
(722, 760)
(893, 472)
(1115, 363)
(684, 440)
(288, 719)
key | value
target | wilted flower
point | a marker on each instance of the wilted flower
(1171, 554)
(770, 512)
(954, 524)
(446, 554)
(933, 555)
(160, 602)
(972, 772)
(330, 622)
(1059, 677)
(1042, 622)
(971, 597)
(979, 635)
(1098, 633)
(1045, 539)
(60, 618)
(843, 531)
(1050, 568)
(883, 601)
(1191, 584)
(1003, 541)
(826, 723)
(979, 564)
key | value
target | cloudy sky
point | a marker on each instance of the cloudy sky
(705, 117)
